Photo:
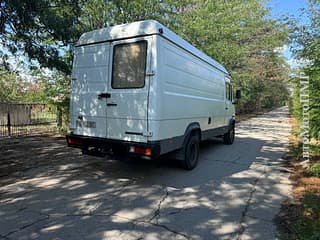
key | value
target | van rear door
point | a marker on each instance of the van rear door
(229, 107)
(89, 79)
(128, 88)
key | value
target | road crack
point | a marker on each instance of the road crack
(156, 214)
(46, 217)
(155, 224)
(244, 214)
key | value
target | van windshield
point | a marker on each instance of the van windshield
(129, 65)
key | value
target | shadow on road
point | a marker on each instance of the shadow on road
(50, 191)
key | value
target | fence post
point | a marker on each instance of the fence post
(9, 124)
(59, 117)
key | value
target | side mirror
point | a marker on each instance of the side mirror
(238, 94)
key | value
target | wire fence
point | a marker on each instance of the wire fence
(18, 119)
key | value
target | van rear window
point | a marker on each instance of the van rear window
(129, 65)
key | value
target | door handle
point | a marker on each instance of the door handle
(111, 104)
(104, 95)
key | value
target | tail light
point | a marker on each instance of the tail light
(140, 151)
(74, 141)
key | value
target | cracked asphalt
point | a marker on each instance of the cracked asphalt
(50, 191)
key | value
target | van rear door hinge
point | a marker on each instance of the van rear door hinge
(147, 134)
(150, 73)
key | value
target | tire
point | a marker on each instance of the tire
(228, 137)
(191, 152)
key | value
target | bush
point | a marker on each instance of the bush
(315, 169)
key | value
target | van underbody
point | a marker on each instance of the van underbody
(102, 146)
(150, 150)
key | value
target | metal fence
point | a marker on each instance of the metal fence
(22, 119)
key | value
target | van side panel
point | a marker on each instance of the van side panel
(185, 89)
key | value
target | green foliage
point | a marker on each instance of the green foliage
(60, 92)
(315, 170)
(307, 40)
(52, 90)
(100, 13)
(314, 98)
(315, 149)
(40, 29)
(240, 35)
(46, 30)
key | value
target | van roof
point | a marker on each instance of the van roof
(141, 28)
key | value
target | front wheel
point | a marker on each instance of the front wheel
(191, 152)
(228, 137)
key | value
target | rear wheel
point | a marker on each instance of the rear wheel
(228, 137)
(191, 152)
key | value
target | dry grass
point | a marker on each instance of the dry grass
(245, 116)
(299, 217)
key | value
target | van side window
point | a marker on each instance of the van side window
(129, 65)
(228, 91)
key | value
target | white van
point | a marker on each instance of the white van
(139, 89)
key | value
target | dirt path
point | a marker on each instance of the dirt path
(50, 191)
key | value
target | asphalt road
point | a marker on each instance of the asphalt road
(49, 191)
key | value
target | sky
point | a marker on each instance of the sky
(287, 7)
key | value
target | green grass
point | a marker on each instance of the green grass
(44, 116)
(308, 224)
(305, 224)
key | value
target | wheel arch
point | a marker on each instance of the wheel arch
(232, 123)
(193, 128)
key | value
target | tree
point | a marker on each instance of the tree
(46, 30)
(40, 29)
(306, 39)
(241, 36)
(12, 88)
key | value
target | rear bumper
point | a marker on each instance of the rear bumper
(150, 150)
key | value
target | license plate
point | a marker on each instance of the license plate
(86, 124)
